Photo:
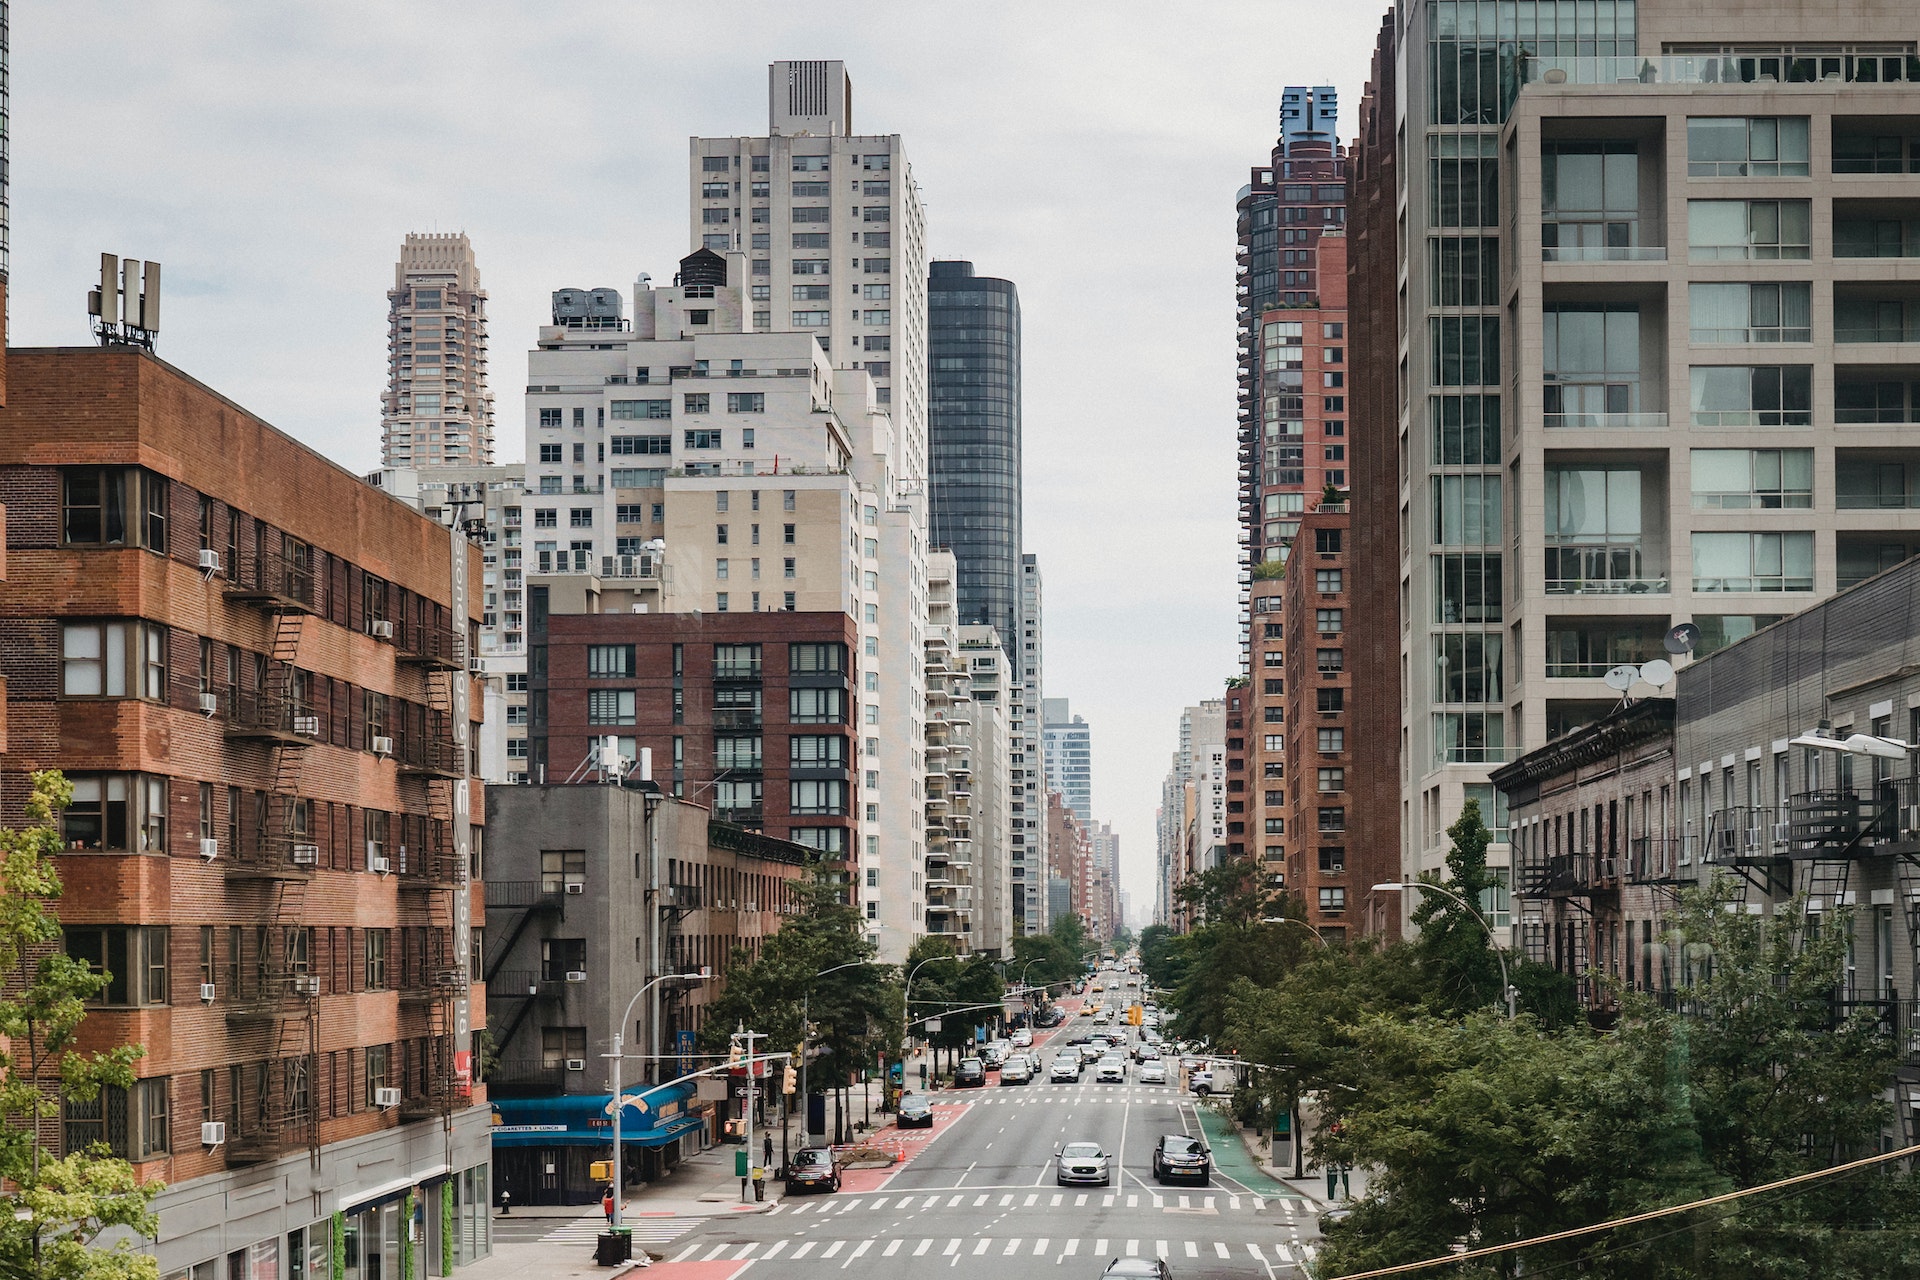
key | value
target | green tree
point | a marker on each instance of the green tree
(62, 1205)
(1162, 956)
(1453, 945)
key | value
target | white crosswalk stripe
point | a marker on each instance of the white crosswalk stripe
(834, 1248)
(922, 1247)
(779, 1247)
(1220, 1248)
(1193, 1250)
(860, 1248)
(893, 1247)
(1286, 1254)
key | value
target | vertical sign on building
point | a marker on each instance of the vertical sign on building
(461, 692)
(683, 1045)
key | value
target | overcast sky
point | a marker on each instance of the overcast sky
(272, 156)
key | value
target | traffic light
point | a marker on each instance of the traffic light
(789, 1079)
(600, 1171)
(735, 1054)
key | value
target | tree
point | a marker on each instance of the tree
(1161, 956)
(1453, 944)
(62, 1205)
(1122, 939)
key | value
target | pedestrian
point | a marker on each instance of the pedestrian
(766, 1148)
(606, 1203)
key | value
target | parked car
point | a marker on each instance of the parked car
(970, 1074)
(812, 1169)
(1082, 1162)
(1138, 1269)
(916, 1112)
(1178, 1156)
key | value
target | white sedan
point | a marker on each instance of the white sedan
(1022, 1038)
(1083, 1162)
(1153, 1071)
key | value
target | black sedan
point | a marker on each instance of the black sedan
(1138, 1269)
(970, 1074)
(915, 1111)
(1178, 1156)
(812, 1169)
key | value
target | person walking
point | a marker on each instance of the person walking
(606, 1204)
(766, 1149)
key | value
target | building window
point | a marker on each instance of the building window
(1747, 147)
(1743, 313)
(561, 1047)
(1329, 622)
(702, 439)
(1333, 899)
(1328, 661)
(1753, 561)
(1333, 779)
(1759, 230)
(561, 956)
(374, 956)
(378, 1062)
(114, 660)
(1752, 396)
(131, 1124)
(560, 868)
(610, 706)
(817, 797)
(116, 813)
(580, 518)
(1329, 701)
(817, 706)
(1333, 819)
(1332, 741)
(1327, 581)
(746, 402)
(623, 410)
(1752, 479)
(114, 507)
(816, 751)
(132, 959)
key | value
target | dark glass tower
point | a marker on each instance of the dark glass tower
(973, 435)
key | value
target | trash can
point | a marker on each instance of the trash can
(614, 1248)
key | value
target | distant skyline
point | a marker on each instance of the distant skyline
(272, 158)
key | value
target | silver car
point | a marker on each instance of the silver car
(1152, 1071)
(1111, 1070)
(1083, 1162)
(1066, 1066)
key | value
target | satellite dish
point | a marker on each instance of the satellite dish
(1622, 678)
(1682, 637)
(1659, 672)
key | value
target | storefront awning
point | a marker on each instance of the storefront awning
(583, 1119)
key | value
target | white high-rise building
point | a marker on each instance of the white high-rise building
(437, 411)
(1068, 743)
(1027, 766)
(1192, 821)
(990, 787)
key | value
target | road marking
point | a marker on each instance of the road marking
(881, 1203)
(1005, 1201)
(1260, 1202)
(1030, 1200)
(1040, 1247)
(746, 1250)
(955, 1202)
(1208, 1203)
(1286, 1207)
(859, 1249)
(1013, 1247)
(981, 1248)
(1286, 1254)
(715, 1252)
(922, 1247)
(1106, 1201)
(1055, 1202)
(953, 1247)
(1160, 1202)
(980, 1201)
(893, 1247)
(851, 1206)
(1133, 1202)
(1219, 1248)
(1080, 1200)
(930, 1202)
(834, 1248)
(1254, 1249)
(1186, 1202)
(1073, 1247)
(686, 1253)
(779, 1247)
(777, 1208)
(1099, 1247)
(799, 1253)
(1193, 1250)
(1133, 1248)
(1159, 1248)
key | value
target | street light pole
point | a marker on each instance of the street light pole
(1319, 937)
(1499, 952)
(906, 1007)
(806, 1011)
(619, 1106)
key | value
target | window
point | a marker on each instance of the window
(1593, 530)
(1329, 622)
(746, 402)
(787, 533)
(1329, 660)
(1591, 363)
(1468, 667)
(561, 1047)
(552, 418)
(1760, 230)
(116, 813)
(703, 439)
(1747, 147)
(1466, 430)
(1466, 510)
(817, 706)
(1333, 819)
(374, 955)
(1753, 562)
(114, 660)
(560, 868)
(1752, 479)
(131, 1124)
(1589, 198)
(132, 959)
(1333, 898)
(626, 410)
(580, 518)
(1466, 587)
(1329, 701)
(626, 446)
(114, 507)
(1465, 351)
(713, 164)
(561, 956)
(1275, 742)
(1332, 741)
(1752, 396)
(817, 796)
(1463, 191)
(1743, 313)
(695, 402)
(1327, 581)
(879, 316)
(546, 518)
(876, 213)
(1493, 807)
(378, 1063)
(1469, 737)
(610, 706)
(553, 453)
(1333, 779)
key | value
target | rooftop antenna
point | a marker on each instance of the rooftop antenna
(125, 306)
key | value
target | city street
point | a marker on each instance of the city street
(982, 1199)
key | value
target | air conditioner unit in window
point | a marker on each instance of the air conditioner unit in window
(1782, 832)
(576, 975)
(212, 1133)
(306, 984)
(386, 1097)
(209, 704)
(207, 992)
(307, 726)
(306, 855)
(476, 667)
(209, 560)
(379, 866)
(382, 746)
(576, 1064)
(380, 629)
(576, 886)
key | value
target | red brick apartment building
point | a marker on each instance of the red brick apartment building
(748, 714)
(252, 667)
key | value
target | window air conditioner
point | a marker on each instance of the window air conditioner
(379, 866)
(576, 886)
(382, 746)
(212, 1133)
(380, 629)
(209, 704)
(306, 855)
(576, 1064)
(576, 975)
(1782, 832)
(209, 559)
(307, 726)
(306, 984)
(386, 1097)
(209, 849)
(207, 992)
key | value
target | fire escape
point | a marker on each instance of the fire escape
(273, 1016)
(1588, 884)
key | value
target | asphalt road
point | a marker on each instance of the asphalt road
(981, 1200)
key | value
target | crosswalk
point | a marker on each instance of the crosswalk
(1015, 1096)
(586, 1229)
(1285, 1253)
(1195, 1202)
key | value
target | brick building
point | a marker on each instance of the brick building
(1315, 611)
(748, 713)
(252, 668)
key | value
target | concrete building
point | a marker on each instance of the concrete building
(1028, 770)
(252, 667)
(437, 410)
(1192, 822)
(577, 871)
(1067, 742)
(973, 345)
(952, 855)
(999, 881)
(1106, 847)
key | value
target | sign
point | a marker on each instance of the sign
(529, 1128)
(683, 1044)
(933, 1024)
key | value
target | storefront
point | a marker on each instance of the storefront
(543, 1147)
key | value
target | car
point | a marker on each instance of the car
(1017, 1069)
(1099, 1043)
(1200, 1082)
(1177, 1155)
(1112, 1069)
(1082, 1162)
(1102, 1018)
(1066, 1066)
(970, 1074)
(916, 1112)
(1139, 1269)
(812, 1169)
(1078, 1040)
(1152, 1071)
(1022, 1038)
(1335, 1216)
(1086, 1011)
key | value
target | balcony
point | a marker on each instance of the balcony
(1743, 836)
(1882, 819)
(1876, 480)
(1588, 648)
(1601, 569)
(1877, 315)
(1654, 860)
(431, 756)
(1746, 68)
(727, 718)
(528, 1079)
(276, 582)
(265, 716)
(1859, 556)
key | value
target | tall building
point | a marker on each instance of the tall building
(252, 668)
(1029, 780)
(952, 895)
(437, 410)
(1694, 411)
(1106, 847)
(1192, 819)
(973, 428)
(989, 786)
(1067, 741)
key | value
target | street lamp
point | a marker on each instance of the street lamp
(1499, 952)
(906, 1004)
(806, 1010)
(619, 1107)
(1321, 938)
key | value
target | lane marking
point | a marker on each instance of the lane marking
(1099, 1247)
(1005, 1201)
(1030, 1201)
(834, 1248)
(1193, 1250)
(1219, 1248)
(1013, 1247)
(859, 1249)
(953, 1247)
(1054, 1203)
(922, 1247)
(1040, 1247)
(716, 1252)
(893, 1247)
(684, 1254)
(1133, 1248)
(1159, 1248)
(1080, 1200)
(1073, 1247)
(981, 1248)
(1133, 1202)
(746, 1250)
(980, 1201)
(804, 1250)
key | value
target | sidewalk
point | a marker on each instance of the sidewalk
(1312, 1188)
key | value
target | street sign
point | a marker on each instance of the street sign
(683, 1043)
(933, 1024)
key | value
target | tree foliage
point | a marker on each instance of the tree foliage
(62, 1205)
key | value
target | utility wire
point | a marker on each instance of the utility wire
(1405, 1268)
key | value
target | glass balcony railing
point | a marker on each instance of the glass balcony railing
(1581, 420)
(1615, 568)
(1784, 67)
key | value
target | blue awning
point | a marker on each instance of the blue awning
(582, 1119)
